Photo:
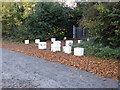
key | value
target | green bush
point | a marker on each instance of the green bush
(42, 20)
(102, 23)
(97, 49)
(49, 20)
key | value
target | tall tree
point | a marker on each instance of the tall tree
(108, 28)
(102, 21)
(49, 20)
(13, 15)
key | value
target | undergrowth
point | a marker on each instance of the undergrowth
(99, 50)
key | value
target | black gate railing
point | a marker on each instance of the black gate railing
(80, 33)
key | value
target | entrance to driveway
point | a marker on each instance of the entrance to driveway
(24, 71)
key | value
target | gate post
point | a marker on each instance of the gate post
(74, 32)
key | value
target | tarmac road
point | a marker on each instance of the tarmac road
(24, 71)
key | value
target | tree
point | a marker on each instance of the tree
(102, 22)
(108, 28)
(13, 16)
(10, 19)
(49, 20)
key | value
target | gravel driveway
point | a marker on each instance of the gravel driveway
(24, 71)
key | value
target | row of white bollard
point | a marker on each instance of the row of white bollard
(68, 42)
(56, 46)
(36, 41)
(41, 45)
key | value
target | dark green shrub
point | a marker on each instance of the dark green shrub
(97, 49)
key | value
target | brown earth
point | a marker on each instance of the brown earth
(90, 64)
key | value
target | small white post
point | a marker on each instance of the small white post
(79, 41)
(55, 47)
(26, 41)
(64, 38)
(57, 42)
(78, 51)
(88, 39)
(37, 41)
(42, 45)
(53, 39)
(69, 42)
(67, 49)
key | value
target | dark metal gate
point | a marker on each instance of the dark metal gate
(80, 33)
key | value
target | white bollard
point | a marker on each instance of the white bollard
(78, 51)
(64, 38)
(79, 41)
(55, 47)
(67, 49)
(88, 39)
(37, 40)
(53, 39)
(26, 41)
(69, 42)
(42, 45)
(57, 42)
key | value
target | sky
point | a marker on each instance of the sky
(70, 3)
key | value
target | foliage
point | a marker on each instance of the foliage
(99, 50)
(10, 18)
(23, 20)
(108, 30)
(103, 23)
(49, 20)
(13, 16)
